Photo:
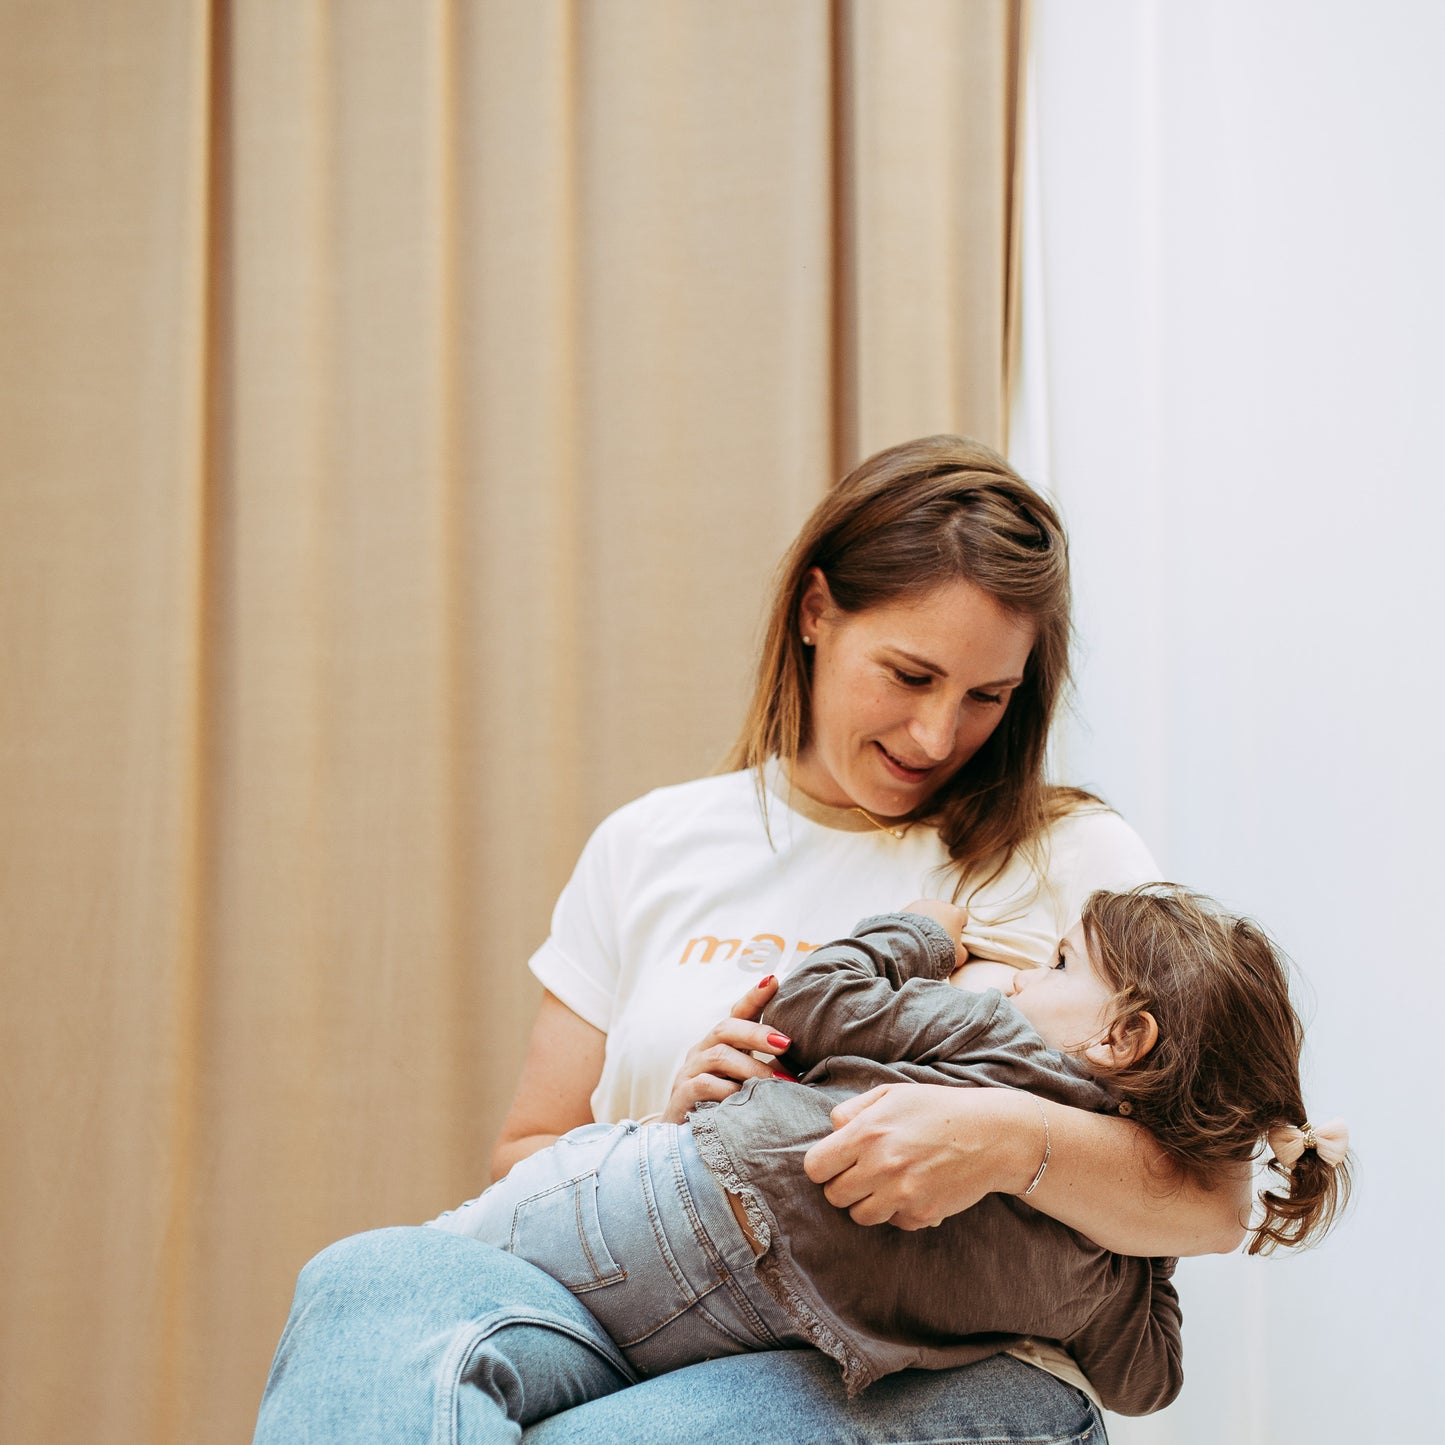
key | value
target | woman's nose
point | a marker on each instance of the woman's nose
(935, 727)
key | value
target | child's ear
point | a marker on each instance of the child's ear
(1128, 1040)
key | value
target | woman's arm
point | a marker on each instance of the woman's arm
(1118, 1187)
(554, 1094)
(913, 1154)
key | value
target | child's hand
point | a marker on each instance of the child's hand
(949, 916)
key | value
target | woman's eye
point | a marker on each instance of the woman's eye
(992, 698)
(912, 679)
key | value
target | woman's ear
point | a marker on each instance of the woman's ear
(817, 603)
(1129, 1039)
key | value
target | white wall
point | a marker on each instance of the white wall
(1240, 291)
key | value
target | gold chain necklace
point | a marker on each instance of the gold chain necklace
(882, 827)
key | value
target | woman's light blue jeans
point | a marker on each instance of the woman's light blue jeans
(414, 1335)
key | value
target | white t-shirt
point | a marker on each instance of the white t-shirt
(681, 900)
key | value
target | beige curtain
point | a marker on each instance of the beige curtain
(402, 409)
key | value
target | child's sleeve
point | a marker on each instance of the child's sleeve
(861, 996)
(1131, 1349)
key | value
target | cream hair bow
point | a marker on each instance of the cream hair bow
(1330, 1141)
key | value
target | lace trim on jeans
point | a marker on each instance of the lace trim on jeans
(777, 1272)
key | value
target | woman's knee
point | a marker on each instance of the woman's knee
(341, 1265)
(401, 1269)
(417, 1273)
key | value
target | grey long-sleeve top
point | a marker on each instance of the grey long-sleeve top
(876, 1009)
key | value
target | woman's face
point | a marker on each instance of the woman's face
(905, 693)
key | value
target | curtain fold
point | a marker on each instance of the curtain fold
(403, 410)
(930, 90)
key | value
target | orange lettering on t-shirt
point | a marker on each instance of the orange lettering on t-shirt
(763, 951)
(709, 946)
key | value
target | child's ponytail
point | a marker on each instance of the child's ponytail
(1224, 1073)
(1316, 1164)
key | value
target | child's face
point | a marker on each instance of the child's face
(1070, 1005)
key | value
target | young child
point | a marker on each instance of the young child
(707, 1238)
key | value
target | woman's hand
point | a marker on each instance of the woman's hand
(912, 1154)
(719, 1063)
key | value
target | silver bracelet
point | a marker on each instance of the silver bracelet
(1048, 1148)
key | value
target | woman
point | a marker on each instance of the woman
(917, 648)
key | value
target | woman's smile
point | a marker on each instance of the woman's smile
(903, 770)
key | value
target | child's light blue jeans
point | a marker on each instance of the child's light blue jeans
(629, 1218)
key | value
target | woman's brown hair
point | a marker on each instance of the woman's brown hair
(906, 521)
(1225, 1068)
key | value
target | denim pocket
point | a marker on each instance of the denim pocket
(559, 1231)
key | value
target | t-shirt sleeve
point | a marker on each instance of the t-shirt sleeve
(579, 960)
(1095, 848)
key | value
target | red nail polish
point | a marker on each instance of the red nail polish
(779, 1041)
(766, 981)
(783, 1074)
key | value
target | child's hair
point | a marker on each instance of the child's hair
(1225, 1068)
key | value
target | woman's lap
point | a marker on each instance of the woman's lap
(411, 1335)
(788, 1396)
